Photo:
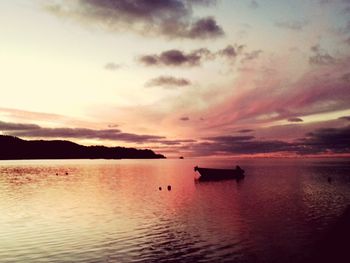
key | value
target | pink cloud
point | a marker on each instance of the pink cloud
(321, 89)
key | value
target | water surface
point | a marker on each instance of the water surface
(112, 210)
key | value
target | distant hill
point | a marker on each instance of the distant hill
(13, 148)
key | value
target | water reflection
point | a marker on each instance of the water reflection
(113, 211)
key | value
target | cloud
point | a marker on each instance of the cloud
(149, 60)
(33, 130)
(177, 142)
(245, 130)
(168, 82)
(325, 140)
(205, 28)
(239, 145)
(36, 131)
(169, 18)
(177, 58)
(320, 57)
(230, 52)
(229, 139)
(185, 118)
(251, 55)
(112, 66)
(261, 98)
(78, 133)
(321, 141)
(295, 119)
(7, 126)
(346, 118)
(254, 4)
(291, 25)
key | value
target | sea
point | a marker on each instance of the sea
(122, 210)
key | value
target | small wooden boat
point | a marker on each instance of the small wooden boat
(211, 174)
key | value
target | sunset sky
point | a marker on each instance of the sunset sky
(182, 77)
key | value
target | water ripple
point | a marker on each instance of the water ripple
(112, 211)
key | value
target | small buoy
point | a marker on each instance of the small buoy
(329, 179)
(169, 187)
(66, 173)
(56, 173)
(160, 188)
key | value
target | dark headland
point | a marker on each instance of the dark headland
(13, 148)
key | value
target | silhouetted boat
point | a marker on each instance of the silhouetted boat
(211, 174)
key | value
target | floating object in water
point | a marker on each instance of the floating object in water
(66, 173)
(56, 173)
(160, 188)
(169, 187)
(211, 174)
(329, 179)
(181, 157)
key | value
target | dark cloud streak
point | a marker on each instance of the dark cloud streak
(33, 130)
(239, 145)
(168, 82)
(347, 118)
(7, 126)
(245, 130)
(229, 139)
(36, 131)
(295, 119)
(321, 141)
(177, 58)
(334, 140)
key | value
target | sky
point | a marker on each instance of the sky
(181, 77)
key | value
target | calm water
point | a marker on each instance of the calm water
(112, 211)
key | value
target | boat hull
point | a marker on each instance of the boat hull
(210, 174)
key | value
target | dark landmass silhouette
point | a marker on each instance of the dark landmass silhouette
(14, 148)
